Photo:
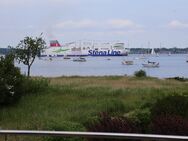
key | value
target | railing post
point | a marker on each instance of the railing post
(6, 138)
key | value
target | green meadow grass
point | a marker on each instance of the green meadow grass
(73, 102)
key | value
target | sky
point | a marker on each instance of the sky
(138, 23)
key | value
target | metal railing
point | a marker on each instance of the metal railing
(91, 135)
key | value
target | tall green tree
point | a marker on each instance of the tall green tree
(28, 49)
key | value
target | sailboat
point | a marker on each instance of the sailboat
(153, 53)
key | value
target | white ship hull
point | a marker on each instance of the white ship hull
(86, 49)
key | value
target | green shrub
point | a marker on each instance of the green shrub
(140, 73)
(171, 105)
(107, 123)
(141, 118)
(64, 126)
(11, 81)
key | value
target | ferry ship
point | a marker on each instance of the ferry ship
(84, 48)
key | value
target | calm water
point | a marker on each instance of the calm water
(170, 66)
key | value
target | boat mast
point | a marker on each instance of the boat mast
(148, 46)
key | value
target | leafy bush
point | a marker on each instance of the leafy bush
(10, 81)
(141, 118)
(140, 73)
(64, 126)
(171, 105)
(106, 123)
(170, 125)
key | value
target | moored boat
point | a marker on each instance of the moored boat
(79, 59)
(150, 64)
(127, 62)
(66, 57)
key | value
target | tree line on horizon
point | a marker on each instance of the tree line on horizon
(159, 50)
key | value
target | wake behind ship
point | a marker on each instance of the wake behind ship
(84, 48)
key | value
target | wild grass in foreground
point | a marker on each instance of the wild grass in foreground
(71, 103)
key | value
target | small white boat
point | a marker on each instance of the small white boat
(125, 62)
(79, 59)
(151, 64)
(50, 59)
(66, 57)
